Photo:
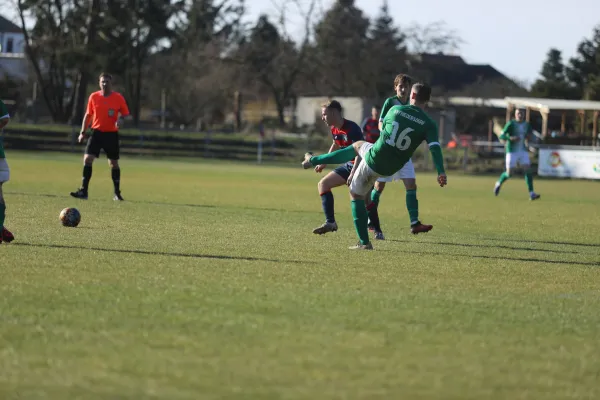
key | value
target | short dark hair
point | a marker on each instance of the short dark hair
(402, 79)
(332, 105)
(422, 92)
(375, 106)
(105, 75)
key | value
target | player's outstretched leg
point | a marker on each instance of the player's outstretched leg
(529, 180)
(306, 162)
(503, 177)
(335, 157)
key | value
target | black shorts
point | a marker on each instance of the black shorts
(107, 141)
(344, 170)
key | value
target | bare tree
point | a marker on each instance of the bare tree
(195, 71)
(84, 69)
(272, 56)
(53, 46)
(435, 37)
(196, 83)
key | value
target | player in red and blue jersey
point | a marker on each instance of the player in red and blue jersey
(344, 133)
(370, 126)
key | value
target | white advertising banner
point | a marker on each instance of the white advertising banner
(569, 163)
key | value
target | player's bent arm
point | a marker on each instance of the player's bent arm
(529, 137)
(334, 147)
(505, 135)
(438, 159)
(4, 121)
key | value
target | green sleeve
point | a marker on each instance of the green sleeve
(432, 134)
(384, 110)
(506, 131)
(438, 158)
(3, 111)
(432, 139)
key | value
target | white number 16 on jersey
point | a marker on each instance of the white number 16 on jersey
(402, 142)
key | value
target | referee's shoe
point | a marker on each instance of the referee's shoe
(80, 194)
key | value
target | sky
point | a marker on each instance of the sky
(513, 37)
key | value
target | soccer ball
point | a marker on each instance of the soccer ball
(70, 217)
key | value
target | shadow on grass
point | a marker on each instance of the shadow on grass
(559, 243)
(160, 203)
(487, 257)
(490, 246)
(157, 253)
(35, 194)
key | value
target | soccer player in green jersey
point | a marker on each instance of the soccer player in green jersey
(404, 128)
(5, 235)
(516, 132)
(402, 86)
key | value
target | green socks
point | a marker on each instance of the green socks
(503, 177)
(412, 205)
(359, 212)
(2, 214)
(375, 194)
(335, 157)
(529, 181)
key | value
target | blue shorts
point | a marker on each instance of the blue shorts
(344, 170)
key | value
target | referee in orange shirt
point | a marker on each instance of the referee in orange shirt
(105, 111)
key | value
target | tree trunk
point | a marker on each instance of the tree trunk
(138, 93)
(237, 109)
(280, 104)
(84, 74)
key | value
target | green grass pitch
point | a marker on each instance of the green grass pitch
(208, 283)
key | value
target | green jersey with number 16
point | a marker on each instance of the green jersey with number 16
(404, 128)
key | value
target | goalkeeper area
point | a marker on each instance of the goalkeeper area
(207, 282)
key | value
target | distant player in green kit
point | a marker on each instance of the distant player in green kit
(515, 133)
(404, 128)
(402, 86)
(5, 235)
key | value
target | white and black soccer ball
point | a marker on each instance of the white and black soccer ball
(70, 217)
